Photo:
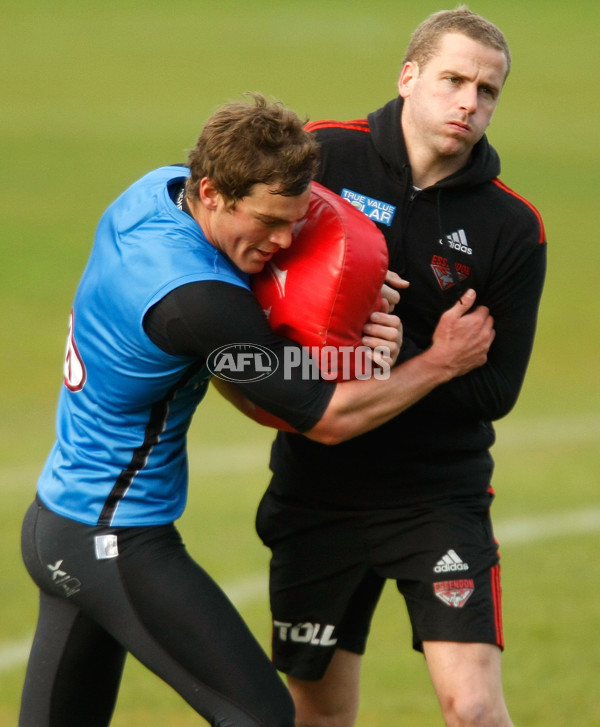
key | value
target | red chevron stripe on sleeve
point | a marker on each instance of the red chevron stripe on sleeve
(503, 186)
(355, 125)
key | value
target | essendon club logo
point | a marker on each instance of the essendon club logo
(454, 593)
(74, 371)
(441, 268)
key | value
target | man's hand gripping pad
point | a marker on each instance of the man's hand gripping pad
(323, 288)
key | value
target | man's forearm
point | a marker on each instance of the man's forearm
(460, 344)
(359, 406)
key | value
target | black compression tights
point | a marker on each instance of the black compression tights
(151, 600)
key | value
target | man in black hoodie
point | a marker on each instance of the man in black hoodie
(410, 501)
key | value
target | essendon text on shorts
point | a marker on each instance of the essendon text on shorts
(246, 362)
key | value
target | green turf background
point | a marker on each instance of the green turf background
(94, 94)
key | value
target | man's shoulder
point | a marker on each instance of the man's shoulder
(332, 126)
(516, 206)
(343, 144)
(329, 131)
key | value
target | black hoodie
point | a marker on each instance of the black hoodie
(468, 230)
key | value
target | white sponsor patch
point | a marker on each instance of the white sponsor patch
(106, 547)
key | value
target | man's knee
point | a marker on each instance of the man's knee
(316, 718)
(313, 710)
(468, 682)
(473, 709)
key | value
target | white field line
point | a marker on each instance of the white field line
(542, 433)
(13, 654)
(511, 434)
(584, 429)
(252, 587)
(548, 527)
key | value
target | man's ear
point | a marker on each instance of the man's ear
(208, 193)
(408, 74)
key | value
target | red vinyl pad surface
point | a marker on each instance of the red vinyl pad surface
(323, 288)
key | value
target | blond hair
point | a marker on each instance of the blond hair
(425, 40)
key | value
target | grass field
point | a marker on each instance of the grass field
(96, 93)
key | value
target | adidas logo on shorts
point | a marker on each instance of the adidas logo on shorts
(450, 563)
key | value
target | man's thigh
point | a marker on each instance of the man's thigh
(322, 591)
(74, 669)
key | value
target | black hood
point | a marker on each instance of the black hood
(387, 136)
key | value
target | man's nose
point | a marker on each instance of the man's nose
(282, 236)
(469, 97)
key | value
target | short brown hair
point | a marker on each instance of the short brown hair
(425, 40)
(255, 142)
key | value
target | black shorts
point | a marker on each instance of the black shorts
(328, 569)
